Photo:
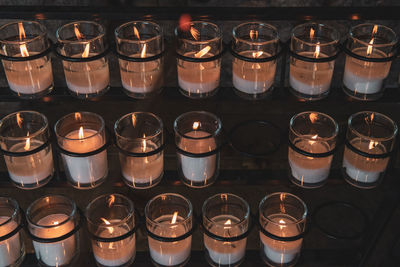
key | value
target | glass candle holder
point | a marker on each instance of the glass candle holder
(12, 249)
(141, 45)
(139, 137)
(368, 60)
(225, 216)
(283, 221)
(253, 72)
(370, 139)
(197, 140)
(82, 138)
(313, 138)
(27, 78)
(52, 224)
(313, 50)
(169, 223)
(78, 42)
(24, 139)
(199, 47)
(111, 223)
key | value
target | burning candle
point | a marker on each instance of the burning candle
(198, 132)
(30, 78)
(363, 79)
(21, 132)
(372, 133)
(315, 133)
(140, 132)
(83, 132)
(283, 215)
(225, 215)
(169, 216)
(312, 80)
(12, 250)
(140, 39)
(52, 217)
(120, 213)
(84, 79)
(254, 40)
(198, 40)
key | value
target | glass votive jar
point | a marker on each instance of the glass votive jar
(169, 224)
(370, 140)
(198, 141)
(82, 47)
(53, 224)
(282, 225)
(82, 142)
(255, 48)
(111, 223)
(225, 225)
(139, 138)
(199, 51)
(140, 47)
(312, 141)
(26, 60)
(370, 51)
(24, 140)
(313, 48)
(12, 249)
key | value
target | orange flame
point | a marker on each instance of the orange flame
(86, 51)
(313, 117)
(133, 120)
(228, 222)
(372, 144)
(136, 32)
(78, 34)
(312, 33)
(27, 143)
(282, 221)
(21, 29)
(110, 229)
(78, 116)
(81, 135)
(253, 34)
(257, 54)
(19, 120)
(111, 200)
(195, 33)
(317, 50)
(144, 143)
(374, 31)
(24, 50)
(203, 51)
(196, 125)
(174, 217)
(184, 22)
(143, 53)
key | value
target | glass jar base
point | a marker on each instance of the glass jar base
(86, 186)
(33, 185)
(138, 95)
(306, 97)
(177, 265)
(307, 185)
(91, 95)
(359, 184)
(33, 96)
(256, 96)
(74, 262)
(362, 96)
(202, 184)
(198, 95)
(148, 185)
(126, 264)
(268, 262)
(215, 264)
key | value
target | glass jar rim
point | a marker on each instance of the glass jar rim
(71, 215)
(15, 212)
(185, 219)
(392, 43)
(215, 133)
(100, 35)
(266, 25)
(244, 202)
(336, 125)
(126, 218)
(31, 135)
(215, 26)
(157, 133)
(156, 26)
(381, 139)
(43, 32)
(97, 132)
(297, 221)
(333, 42)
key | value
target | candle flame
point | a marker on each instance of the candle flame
(111, 200)
(313, 117)
(203, 52)
(110, 229)
(24, 50)
(78, 34)
(195, 33)
(27, 143)
(374, 31)
(144, 143)
(21, 30)
(81, 135)
(78, 116)
(372, 144)
(317, 50)
(228, 222)
(312, 32)
(143, 53)
(86, 51)
(282, 221)
(174, 217)
(257, 54)
(196, 125)
(136, 32)
(19, 120)
(253, 34)
(133, 120)
(314, 137)
(370, 118)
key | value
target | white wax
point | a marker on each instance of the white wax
(310, 78)
(87, 77)
(309, 169)
(10, 249)
(362, 169)
(225, 253)
(198, 77)
(142, 170)
(141, 77)
(251, 77)
(58, 253)
(170, 253)
(85, 170)
(365, 77)
(29, 77)
(198, 169)
(32, 169)
(281, 251)
(114, 253)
